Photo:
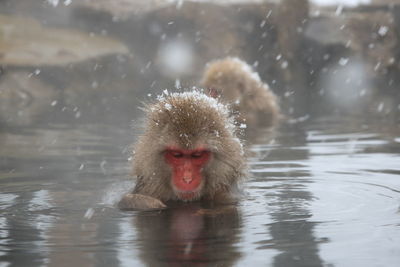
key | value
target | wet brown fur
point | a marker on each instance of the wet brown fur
(188, 120)
(239, 86)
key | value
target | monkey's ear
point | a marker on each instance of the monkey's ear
(213, 92)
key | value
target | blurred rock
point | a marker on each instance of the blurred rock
(192, 28)
(125, 8)
(373, 36)
(292, 19)
(103, 89)
(370, 35)
(385, 2)
(24, 98)
(25, 42)
(359, 70)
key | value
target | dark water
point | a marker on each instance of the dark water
(325, 194)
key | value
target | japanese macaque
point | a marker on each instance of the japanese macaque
(188, 152)
(236, 83)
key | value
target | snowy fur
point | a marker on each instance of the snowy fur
(188, 120)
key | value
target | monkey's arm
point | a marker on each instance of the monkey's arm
(140, 202)
(223, 198)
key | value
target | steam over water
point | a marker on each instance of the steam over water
(323, 194)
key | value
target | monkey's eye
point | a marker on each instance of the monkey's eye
(176, 154)
(199, 154)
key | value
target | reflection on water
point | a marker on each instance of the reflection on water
(324, 195)
(185, 235)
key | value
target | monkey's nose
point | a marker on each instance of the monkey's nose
(187, 179)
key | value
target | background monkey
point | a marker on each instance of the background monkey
(189, 151)
(237, 84)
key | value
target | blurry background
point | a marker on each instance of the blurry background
(95, 60)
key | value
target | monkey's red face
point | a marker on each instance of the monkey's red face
(187, 166)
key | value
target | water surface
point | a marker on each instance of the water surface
(322, 194)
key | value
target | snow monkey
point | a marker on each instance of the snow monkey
(188, 152)
(234, 81)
